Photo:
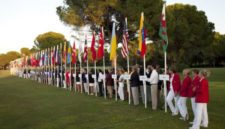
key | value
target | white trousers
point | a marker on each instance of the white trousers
(169, 99)
(193, 105)
(201, 116)
(135, 95)
(182, 106)
(121, 91)
(57, 82)
(86, 88)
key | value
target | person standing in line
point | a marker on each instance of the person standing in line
(174, 91)
(134, 83)
(110, 83)
(78, 83)
(100, 82)
(160, 84)
(154, 79)
(201, 99)
(91, 82)
(192, 90)
(186, 85)
(84, 80)
(148, 85)
(121, 84)
(141, 84)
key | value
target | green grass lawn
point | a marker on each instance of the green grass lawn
(26, 104)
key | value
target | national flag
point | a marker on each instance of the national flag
(64, 53)
(141, 37)
(85, 49)
(93, 51)
(57, 55)
(80, 52)
(46, 57)
(163, 28)
(101, 44)
(124, 49)
(53, 55)
(74, 53)
(69, 54)
(113, 43)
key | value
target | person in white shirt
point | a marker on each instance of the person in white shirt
(100, 82)
(121, 85)
(154, 79)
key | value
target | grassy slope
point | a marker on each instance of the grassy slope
(27, 104)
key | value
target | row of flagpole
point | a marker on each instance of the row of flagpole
(49, 65)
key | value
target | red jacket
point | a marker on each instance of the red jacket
(202, 92)
(67, 78)
(186, 85)
(194, 85)
(176, 83)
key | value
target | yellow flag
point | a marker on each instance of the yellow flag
(113, 43)
(140, 33)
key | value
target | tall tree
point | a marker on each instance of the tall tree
(189, 32)
(25, 51)
(48, 39)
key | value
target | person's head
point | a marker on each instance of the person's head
(172, 70)
(195, 72)
(153, 67)
(186, 72)
(204, 73)
(134, 69)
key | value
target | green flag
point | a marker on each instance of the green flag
(163, 29)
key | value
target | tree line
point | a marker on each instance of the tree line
(193, 41)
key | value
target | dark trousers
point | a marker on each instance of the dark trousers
(100, 84)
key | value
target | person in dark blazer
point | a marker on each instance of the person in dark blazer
(134, 83)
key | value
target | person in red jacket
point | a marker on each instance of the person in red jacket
(174, 91)
(186, 84)
(67, 78)
(192, 89)
(201, 99)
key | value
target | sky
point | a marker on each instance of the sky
(21, 21)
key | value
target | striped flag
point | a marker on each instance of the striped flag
(124, 50)
(64, 53)
(74, 53)
(85, 49)
(141, 37)
(69, 54)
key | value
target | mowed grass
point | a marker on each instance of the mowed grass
(26, 104)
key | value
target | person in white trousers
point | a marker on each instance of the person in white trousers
(186, 85)
(121, 85)
(154, 79)
(192, 91)
(174, 91)
(201, 99)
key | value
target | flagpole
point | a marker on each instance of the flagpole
(81, 82)
(115, 80)
(70, 77)
(96, 93)
(104, 77)
(87, 77)
(75, 79)
(145, 88)
(165, 86)
(128, 70)
(65, 85)
(61, 64)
